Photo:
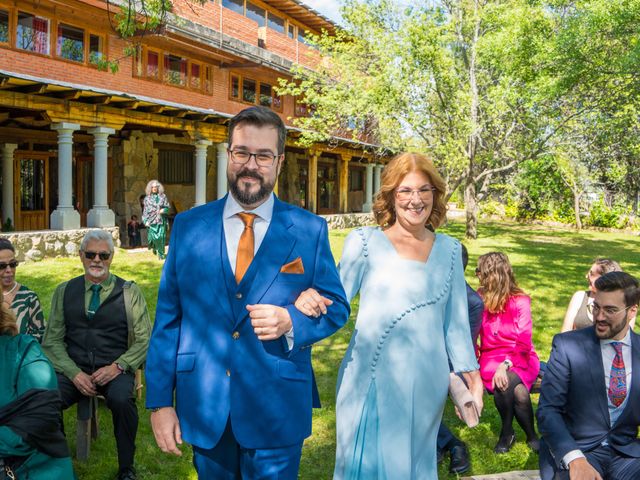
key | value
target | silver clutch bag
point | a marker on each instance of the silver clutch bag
(463, 400)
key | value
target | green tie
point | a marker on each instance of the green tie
(94, 304)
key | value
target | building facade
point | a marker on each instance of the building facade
(79, 143)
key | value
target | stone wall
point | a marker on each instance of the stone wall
(36, 245)
(349, 220)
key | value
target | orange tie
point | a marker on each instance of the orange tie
(245, 245)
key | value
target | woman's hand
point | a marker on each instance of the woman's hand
(311, 303)
(500, 379)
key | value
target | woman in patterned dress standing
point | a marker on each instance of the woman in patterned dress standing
(154, 216)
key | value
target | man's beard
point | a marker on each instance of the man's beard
(244, 197)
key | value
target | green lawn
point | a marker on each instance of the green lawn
(549, 263)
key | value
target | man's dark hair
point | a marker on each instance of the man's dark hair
(465, 257)
(259, 117)
(612, 281)
(6, 245)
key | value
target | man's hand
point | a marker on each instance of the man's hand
(312, 304)
(104, 375)
(166, 429)
(474, 381)
(581, 469)
(500, 379)
(269, 322)
(84, 384)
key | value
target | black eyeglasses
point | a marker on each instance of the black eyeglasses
(103, 255)
(262, 159)
(11, 265)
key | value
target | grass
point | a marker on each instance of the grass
(549, 263)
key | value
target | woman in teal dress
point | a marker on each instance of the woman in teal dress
(393, 381)
(24, 303)
(31, 438)
(154, 216)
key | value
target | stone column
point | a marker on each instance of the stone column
(201, 171)
(312, 201)
(100, 215)
(343, 182)
(222, 169)
(368, 190)
(377, 174)
(7, 183)
(65, 217)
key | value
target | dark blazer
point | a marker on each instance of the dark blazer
(203, 348)
(572, 412)
(476, 307)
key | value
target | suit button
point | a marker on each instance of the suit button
(238, 296)
(235, 335)
(228, 373)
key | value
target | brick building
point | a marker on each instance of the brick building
(79, 144)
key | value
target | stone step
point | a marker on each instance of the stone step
(521, 475)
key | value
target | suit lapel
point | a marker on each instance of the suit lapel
(272, 254)
(597, 372)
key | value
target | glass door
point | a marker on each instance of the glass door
(32, 187)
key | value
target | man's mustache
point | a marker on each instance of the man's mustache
(249, 173)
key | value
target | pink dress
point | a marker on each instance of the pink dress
(507, 335)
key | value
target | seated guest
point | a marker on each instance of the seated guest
(97, 337)
(32, 445)
(578, 315)
(587, 418)
(509, 364)
(24, 303)
(447, 441)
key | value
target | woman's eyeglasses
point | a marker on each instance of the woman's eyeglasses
(103, 255)
(11, 265)
(424, 193)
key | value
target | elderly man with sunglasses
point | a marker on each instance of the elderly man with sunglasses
(96, 338)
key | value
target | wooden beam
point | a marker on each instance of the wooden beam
(127, 104)
(97, 99)
(67, 94)
(343, 183)
(312, 201)
(37, 88)
(238, 65)
(152, 108)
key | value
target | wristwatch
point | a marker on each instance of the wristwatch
(508, 363)
(120, 367)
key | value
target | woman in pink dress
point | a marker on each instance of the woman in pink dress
(509, 364)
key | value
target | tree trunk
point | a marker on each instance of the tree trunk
(576, 209)
(471, 207)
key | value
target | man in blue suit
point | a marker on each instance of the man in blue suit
(589, 408)
(227, 340)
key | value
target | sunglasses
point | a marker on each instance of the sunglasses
(12, 265)
(103, 255)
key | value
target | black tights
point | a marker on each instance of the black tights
(515, 401)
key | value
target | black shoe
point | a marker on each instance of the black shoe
(534, 444)
(505, 444)
(459, 459)
(127, 473)
(440, 455)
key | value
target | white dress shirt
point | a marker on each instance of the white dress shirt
(608, 354)
(234, 226)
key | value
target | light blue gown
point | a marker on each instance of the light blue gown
(394, 378)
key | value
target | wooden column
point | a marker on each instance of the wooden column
(312, 204)
(343, 183)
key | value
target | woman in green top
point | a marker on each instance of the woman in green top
(31, 440)
(24, 302)
(154, 216)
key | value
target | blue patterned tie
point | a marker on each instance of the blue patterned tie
(94, 304)
(618, 378)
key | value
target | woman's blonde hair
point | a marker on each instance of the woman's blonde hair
(496, 280)
(392, 176)
(8, 325)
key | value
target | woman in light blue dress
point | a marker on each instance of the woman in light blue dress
(393, 381)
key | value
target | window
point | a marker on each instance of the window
(32, 33)
(175, 70)
(175, 166)
(96, 48)
(4, 26)
(301, 36)
(356, 180)
(208, 79)
(248, 90)
(195, 80)
(235, 87)
(291, 31)
(256, 13)
(265, 95)
(235, 5)
(153, 65)
(70, 44)
(275, 23)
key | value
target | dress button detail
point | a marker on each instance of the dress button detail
(235, 335)
(238, 295)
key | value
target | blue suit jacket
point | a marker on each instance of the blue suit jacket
(203, 349)
(572, 412)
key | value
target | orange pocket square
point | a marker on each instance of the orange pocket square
(293, 267)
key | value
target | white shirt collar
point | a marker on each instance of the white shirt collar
(264, 210)
(625, 341)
